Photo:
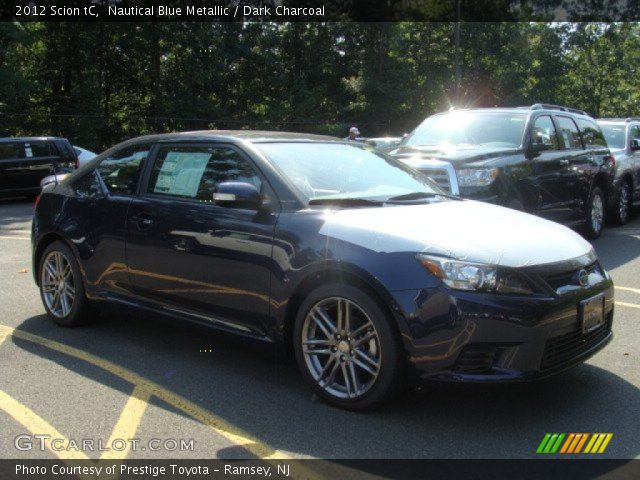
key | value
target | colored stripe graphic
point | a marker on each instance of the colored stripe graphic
(550, 443)
(597, 443)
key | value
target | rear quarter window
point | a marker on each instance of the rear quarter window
(120, 170)
(591, 134)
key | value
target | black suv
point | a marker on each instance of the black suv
(623, 138)
(547, 160)
(24, 161)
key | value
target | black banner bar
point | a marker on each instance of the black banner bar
(560, 469)
(319, 11)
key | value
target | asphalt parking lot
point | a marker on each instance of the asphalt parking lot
(131, 376)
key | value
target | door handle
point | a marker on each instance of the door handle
(143, 221)
(564, 162)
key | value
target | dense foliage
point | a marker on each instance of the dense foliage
(97, 83)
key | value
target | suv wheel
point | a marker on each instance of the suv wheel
(61, 287)
(595, 213)
(623, 205)
(346, 348)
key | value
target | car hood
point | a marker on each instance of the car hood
(466, 230)
(458, 155)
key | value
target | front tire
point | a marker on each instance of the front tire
(595, 213)
(61, 287)
(346, 347)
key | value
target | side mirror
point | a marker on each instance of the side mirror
(238, 195)
(534, 149)
(635, 144)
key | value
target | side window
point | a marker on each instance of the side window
(634, 133)
(36, 149)
(87, 186)
(569, 132)
(591, 134)
(195, 171)
(11, 150)
(544, 134)
(67, 152)
(120, 170)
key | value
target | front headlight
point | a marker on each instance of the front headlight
(461, 275)
(476, 177)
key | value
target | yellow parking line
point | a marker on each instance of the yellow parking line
(219, 425)
(39, 426)
(628, 289)
(128, 423)
(625, 304)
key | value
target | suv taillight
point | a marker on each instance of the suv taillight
(77, 162)
(36, 202)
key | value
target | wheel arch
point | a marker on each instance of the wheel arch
(340, 273)
(43, 242)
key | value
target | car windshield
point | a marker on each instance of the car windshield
(335, 171)
(614, 134)
(466, 128)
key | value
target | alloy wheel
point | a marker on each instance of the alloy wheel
(623, 203)
(341, 347)
(597, 213)
(57, 284)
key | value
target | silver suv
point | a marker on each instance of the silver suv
(623, 138)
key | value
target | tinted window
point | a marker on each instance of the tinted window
(592, 135)
(87, 186)
(544, 133)
(36, 149)
(121, 170)
(195, 172)
(613, 133)
(635, 132)
(66, 151)
(569, 132)
(11, 150)
(488, 129)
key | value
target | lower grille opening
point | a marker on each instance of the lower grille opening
(563, 348)
(476, 358)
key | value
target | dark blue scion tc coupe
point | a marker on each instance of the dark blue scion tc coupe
(360, 264)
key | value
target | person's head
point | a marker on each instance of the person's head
(354, 133)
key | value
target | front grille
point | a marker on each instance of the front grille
(558, 281)
(440, 176)
(562, 349)
(476, 358)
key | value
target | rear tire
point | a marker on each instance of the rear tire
(622, 208)
(351, 360)
(595, 213)
(61, 287)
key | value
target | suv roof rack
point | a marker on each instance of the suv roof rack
(548, 106)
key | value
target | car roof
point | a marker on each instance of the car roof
(251, 136)
(618, 120)
(28, 139)
(522, 110)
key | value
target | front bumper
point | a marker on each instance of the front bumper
(473, 337)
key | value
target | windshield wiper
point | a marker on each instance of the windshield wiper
(418, 196)
(346, 201)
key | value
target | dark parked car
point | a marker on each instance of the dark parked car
(25, 161)
(547, 160)
(623, 138)
(360, 264)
